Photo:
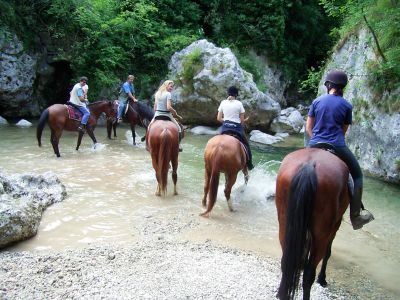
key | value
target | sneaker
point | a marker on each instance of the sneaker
(119, 120)
(363, 218)
(81, 128)
(180, 148)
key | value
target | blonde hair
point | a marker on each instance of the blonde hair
(131, 77)
(162, 89)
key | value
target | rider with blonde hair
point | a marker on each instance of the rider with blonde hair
(163, 106)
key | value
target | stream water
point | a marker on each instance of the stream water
(111, 190)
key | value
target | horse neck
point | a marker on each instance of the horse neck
(96, 110)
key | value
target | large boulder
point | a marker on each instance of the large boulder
(375, 134)
(212, 70)
(18, 73)
(290, 120)
(22, 202)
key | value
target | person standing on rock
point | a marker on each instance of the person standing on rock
(231, 115)
(328, 119)
(77, 98)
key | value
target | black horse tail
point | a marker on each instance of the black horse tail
(297, 242)
(42, 122)
(164, 158)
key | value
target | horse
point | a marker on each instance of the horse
(57, 118)
(312, 194)
(138, 113)
(223, 153)
(163, 145)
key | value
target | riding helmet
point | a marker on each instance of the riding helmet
(337, 77)
(233, 91)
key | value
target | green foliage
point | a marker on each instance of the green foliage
(249, 64)
(310, 84)
(381, 17)
(191, 65)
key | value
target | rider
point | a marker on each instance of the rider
(163, 106)
(77, 97)
(231, 115)
(328, 119)
(127, 91)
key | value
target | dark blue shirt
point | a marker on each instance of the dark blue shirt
(331, 112)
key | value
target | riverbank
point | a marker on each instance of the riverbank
(154, 268)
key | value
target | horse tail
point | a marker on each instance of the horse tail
(164, 158)
(297, 242)
(214, 181)
(42, 122)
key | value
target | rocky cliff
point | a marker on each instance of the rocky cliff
(374, 136)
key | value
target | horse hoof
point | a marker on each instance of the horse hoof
(205, 214)
(322, 282)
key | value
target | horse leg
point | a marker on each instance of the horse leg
(80, 135)
(91, 134)
(322, 274)
(308, 278)
(133, 134)
(230, 181)
(174, 162)
(54, 139)
(115, 124)
(207, 175)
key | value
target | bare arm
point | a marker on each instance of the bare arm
(220, 117)
(242, 120)
(345, 127)
(310, 126)
(132, 96)
(172, 110)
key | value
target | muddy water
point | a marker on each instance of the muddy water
(111, 200)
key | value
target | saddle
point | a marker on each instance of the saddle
(73, 112)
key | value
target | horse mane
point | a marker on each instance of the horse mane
(145, 110)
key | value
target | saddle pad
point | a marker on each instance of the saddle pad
(74, 113)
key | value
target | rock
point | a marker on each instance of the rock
(203, 130)
(17, 76)
(374, 135)
(22, 202)
(3, 121)
(290, 120)
(198, 96)
(264, 138)
(23, 123)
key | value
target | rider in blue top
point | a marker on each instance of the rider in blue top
(127, 91)
(328, 119)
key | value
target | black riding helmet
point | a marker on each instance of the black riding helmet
(233, 91)
(337, 77)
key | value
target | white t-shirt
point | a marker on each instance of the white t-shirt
(231, 110)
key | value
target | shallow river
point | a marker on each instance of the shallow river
(111, 190)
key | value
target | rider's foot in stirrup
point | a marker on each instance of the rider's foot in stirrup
(180, 148)
(119, 120)
(363, 218)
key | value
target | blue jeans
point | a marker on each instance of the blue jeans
(85, 112)
(121, 108)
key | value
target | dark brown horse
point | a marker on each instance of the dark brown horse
(57, 118)
(138, 113)
(312, 195)
(223, 153)
(164, 149)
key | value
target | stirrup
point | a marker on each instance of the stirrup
(363, 218)
(81, 128)
(180, 148)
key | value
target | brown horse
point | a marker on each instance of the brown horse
(163, 145)
(312, 195)
(225, 154)
(57, 118)
(137, 113)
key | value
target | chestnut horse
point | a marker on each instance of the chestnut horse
(137, 113)
(312, 195)
(223, 153)
(57, 118)
(163, 144)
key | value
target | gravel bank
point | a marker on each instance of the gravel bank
(149, 269)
